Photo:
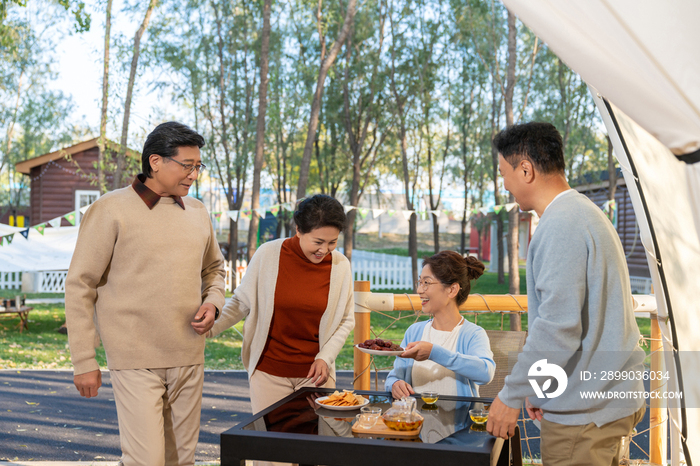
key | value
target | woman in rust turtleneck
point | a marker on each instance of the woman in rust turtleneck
(297, 299)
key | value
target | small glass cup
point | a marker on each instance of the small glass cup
(479, 416)
(373, 412)
(429, 398)
(365, 421)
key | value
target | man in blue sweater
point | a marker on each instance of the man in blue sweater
(581, 326)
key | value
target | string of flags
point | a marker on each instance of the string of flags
(41, 227)
(363, 212)
(7, 239)
(275, 210)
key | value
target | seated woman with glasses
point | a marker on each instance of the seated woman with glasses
(447, 353)
(297, 300)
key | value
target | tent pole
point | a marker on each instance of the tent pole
(657, 407)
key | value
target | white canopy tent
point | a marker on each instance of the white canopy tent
(642, 61)
(51, 251)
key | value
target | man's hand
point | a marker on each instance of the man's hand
(401, 389)
(534, 413)
(418, 350)
(204, 320)
(88, 383)
(318, 372)
(502, 420)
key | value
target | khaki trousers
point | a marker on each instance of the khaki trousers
(158, 412)
(585, 445)
(266, 389)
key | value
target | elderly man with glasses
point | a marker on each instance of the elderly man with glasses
(147, 278)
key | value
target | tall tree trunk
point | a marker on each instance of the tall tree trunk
(401, 113)
(326, 64)
(121, 156)
(105, 99)
(357, 137)
(260, 130)
(514, 214)
(495, 107)
(11, 127)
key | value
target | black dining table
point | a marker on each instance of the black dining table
(298, 430)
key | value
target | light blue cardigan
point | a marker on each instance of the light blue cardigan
(472, 363)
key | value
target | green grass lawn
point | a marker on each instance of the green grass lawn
(42, 347)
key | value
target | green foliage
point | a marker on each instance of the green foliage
(33, 116)
(82, 17)
(40, 347)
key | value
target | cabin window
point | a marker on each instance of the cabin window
(82, 199)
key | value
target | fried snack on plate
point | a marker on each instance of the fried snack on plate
(346, 398)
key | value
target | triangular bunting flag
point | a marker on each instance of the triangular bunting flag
(475, 211)
(348, 208)
(40, 228)
(9, 238)
(497, 209)
(289, 206)
(84, 208)
(274, 210)
(436, 213)
(245, 213)
(363, 211)
(70, 217)
(484, 210)
(407, 214)
(2, 241)
(510, 206)
(217, 215)
(56, 222)
(377, 212)
(390, 213)
(233, 215)
(25, 233)
(261, 212)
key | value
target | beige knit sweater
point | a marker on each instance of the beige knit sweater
(254, 301)
(137, 279)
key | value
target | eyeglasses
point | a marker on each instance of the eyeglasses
(424, 284)
(188, 167)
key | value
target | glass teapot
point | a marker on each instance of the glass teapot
(403, 415)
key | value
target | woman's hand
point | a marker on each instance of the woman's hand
(318, 372)
(401, 389)
(418, 350)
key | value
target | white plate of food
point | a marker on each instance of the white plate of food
(342, 405)
(379, 347)
(379, 352)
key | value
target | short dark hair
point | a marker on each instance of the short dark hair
(538, 142)
(450, 267)
(165, 140)
(319, 211)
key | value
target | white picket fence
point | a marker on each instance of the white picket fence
(383, 271)
(10, 280)
(53, 281)
(640, 285)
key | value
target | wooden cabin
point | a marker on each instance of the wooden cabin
(66, 180)
(625, 221)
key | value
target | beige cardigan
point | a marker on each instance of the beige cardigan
(254, 301)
